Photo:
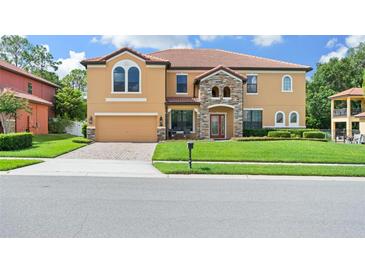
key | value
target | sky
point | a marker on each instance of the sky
(301, 49)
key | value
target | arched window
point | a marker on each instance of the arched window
(126, 77)
(133, 79)
(119, 79)
(279, 119)
(287, 85)
(215, 92)
(293, 119)
(226, 92)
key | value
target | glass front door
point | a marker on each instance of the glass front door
(217, 126)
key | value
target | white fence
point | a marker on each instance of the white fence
(75, 128)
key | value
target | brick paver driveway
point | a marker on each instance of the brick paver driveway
(113, 151)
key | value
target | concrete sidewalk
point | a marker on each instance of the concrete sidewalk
(83, 167)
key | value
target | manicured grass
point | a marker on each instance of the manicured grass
(46, 146)
(263, 151)
(260, 169)
(8, 164)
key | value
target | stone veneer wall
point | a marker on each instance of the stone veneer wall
(161, 134)
(221, 80)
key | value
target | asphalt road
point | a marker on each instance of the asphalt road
(39, 206)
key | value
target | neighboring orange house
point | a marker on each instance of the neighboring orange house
(39, 93)
(192, 93)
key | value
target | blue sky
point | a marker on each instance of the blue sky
(307, 50)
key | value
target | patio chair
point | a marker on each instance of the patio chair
(356, 139)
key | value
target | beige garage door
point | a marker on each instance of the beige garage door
(126, 129)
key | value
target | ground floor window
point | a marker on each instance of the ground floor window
(182, 120)
(252, 119)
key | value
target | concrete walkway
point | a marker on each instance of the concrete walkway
(83, 167)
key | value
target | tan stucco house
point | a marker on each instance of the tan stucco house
(348, 113)
(190, 93)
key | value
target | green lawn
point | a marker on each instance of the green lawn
(7, 164)
(263, 151)
(260, 169)
(46, 146)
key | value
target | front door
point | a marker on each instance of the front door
(217, 126)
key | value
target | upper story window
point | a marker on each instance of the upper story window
(181, 83)
(252, 84)
(215, 92)
(287, 85)
(279, 119)
(119, 79)
(226, 92)
(30, 88)
(126, 77)
(133, 79)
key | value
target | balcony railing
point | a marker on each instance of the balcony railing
(343, 111)
(340, 112)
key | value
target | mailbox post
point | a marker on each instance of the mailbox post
(190, 147)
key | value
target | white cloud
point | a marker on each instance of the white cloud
(208, 37)
(339, 53)
(145, 41)
(267, 40)
(46, 46)
(354, 40)
(70, 63)
(331, 43)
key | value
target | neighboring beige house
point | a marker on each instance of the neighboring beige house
(348, 113)
(190, 93)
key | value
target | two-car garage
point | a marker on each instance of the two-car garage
(126, 127)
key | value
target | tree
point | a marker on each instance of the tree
(76, 79)
(9, 107)
(70, 104)
(15, 49)
(40, 60)
(332, 77)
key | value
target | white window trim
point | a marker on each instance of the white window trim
(253, 108)
(294, 124)
(280, 124)
(221, 105)
(282, 83)
(187, 83)
(126, 64)
(257, 90)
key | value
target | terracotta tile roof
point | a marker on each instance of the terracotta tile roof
(349, 92)
(29, 97)
(218, 68)
(17, 70)
(182, 101)
(360, 115)
(210, 58)
(102, 59)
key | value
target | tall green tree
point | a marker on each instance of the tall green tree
(15, 49)
(70, 104)
(332, 77)
(76, 79)
(41, 60)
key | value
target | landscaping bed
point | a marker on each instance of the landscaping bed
(259, 151)
(260, 169)
(8, 164)
(48, 146)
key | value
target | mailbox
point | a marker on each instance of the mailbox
(190, 147)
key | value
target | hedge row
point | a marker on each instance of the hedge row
(15, 141)
(261, 132)
(281, 134)
(314, 134)
(265, 138)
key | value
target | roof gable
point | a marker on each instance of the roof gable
(217, 69)
(349, 92)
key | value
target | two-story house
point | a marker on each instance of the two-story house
(193, 93)
(39, 93)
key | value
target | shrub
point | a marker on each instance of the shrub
(255, 132)
(295, 132)
(15, 141)
(265, 138)
(83, 129)
(81, 140)
(314, 134)
(58, 125)
(279, 134)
